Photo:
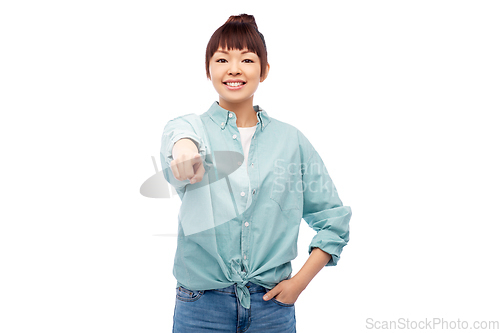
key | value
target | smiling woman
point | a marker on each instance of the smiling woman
(238, 233)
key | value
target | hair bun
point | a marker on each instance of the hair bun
(243, 18)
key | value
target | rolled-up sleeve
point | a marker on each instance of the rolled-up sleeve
(176, 129)
(322, 208)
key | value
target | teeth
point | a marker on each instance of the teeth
(234, 84)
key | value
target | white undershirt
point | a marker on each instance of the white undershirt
(246, 134)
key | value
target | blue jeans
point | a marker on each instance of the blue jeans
(219, 310)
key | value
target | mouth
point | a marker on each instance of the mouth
(234, 84)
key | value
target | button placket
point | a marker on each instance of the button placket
(245, 235)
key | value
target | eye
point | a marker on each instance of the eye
(221, 60)
(248, 61)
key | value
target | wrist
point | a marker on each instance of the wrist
(300, 282)
(184, 145)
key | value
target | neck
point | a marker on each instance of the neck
(245, 114)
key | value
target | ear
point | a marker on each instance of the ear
(266, 73)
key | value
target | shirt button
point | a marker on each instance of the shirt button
(230, 115)
(247, 224)
(253, 192)
(252, 165)
(242, 194)
(245, 257)
(222, 124)
(234, 136)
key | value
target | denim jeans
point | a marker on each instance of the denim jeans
(219, 310)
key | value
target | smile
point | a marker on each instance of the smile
(234, 85)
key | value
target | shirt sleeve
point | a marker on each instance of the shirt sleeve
(176, 129)
(322, 210)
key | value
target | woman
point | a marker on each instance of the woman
(245, 180)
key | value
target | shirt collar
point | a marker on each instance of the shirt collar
(221, 116)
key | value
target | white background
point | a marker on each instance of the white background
(400, 98)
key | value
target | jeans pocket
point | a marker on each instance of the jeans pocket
(282, 304)
(188, 295)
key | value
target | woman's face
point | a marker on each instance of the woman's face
(235, 74)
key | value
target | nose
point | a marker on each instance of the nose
(234, 69)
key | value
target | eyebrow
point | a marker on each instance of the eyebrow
(222, 51)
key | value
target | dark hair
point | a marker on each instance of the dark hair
(239, 32)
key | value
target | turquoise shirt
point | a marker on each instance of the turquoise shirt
(241, 223)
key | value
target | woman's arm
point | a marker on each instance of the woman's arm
(178, 132)
(287, 291)
(323, 211)
(316, 261)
